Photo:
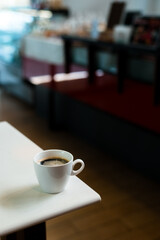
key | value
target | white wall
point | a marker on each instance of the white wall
(102, 5)
(153, 7)
(77, 6)
(137, 4)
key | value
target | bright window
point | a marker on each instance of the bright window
(14, 3)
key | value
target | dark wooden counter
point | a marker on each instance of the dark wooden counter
(122, 50)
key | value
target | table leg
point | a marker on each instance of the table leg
(52, 71)
(67, 56)
(91, 64)
(37, 232)
(122, 60)
(157, 81)
(51, 112)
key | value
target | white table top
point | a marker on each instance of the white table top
(50, 50)
(22, 203)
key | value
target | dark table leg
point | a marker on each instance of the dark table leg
(67, 55)
(91, 63)
(157, 81)
(51, 109)
(37, 232)
(52, 71)
(122, 66)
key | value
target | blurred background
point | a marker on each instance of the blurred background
(61, 65)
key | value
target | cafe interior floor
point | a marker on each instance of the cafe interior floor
(130, 206)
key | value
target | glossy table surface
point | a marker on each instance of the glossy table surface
(22, 203)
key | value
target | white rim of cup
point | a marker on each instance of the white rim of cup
(50, 150)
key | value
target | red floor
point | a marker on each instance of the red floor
(135, 104)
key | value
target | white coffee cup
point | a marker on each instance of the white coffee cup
(54, 178)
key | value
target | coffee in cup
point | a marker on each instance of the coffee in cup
(53, 162)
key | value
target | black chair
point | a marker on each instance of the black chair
(130, 17)
(115, 14)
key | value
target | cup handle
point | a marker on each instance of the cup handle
(76, 172)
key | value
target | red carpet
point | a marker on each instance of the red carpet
(135, 104)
